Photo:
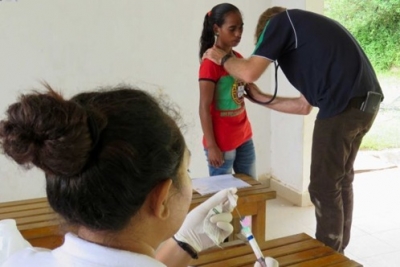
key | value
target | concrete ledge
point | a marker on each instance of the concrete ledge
(264, 179)
(297, 198)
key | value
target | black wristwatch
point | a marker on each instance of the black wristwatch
(186, 247)
(225, 58)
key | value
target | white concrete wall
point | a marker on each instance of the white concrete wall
(287, 134)
(292, 134)
(78, 45)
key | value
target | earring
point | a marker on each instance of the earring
(216, 34)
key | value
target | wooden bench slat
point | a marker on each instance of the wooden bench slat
(47, 241)
(299, 250)
(36, 205)
(42, 231)
(268, 244)
(257, 188)
(323, 261)
(23, 202)
(298, 257)
(349, 263)
(261, 194)
(26, 213)
(36, 218)
(292, 248)
(277, 247)
(35, 225)
(238, 260)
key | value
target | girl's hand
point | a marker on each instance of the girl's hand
(215, 156)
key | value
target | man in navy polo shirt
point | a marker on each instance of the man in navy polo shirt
(324, 62)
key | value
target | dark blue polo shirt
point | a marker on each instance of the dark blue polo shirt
(319, 57)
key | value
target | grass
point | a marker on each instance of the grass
(385, 132)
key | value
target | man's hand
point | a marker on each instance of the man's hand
(214, 54)
(254, 94)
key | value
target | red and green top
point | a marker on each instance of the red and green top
(230, 123)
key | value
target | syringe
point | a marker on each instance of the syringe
(252, 241)
(254, 245)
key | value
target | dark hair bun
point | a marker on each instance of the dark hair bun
(47, 131)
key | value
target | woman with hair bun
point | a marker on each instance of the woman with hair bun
(115, 164)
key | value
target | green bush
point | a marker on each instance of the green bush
(376, 26)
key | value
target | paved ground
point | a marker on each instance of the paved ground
(375, 240)
(377, 160)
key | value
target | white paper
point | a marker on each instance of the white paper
(213, 184)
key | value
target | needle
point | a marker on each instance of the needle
(240, 216)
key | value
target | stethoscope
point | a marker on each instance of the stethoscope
(276, 89)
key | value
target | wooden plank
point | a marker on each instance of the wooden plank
(293, 251)
(256, 188)
(258, 222)
(286, 240)
(26, 213)
(276, 246)
(37, 218)
(245, 191)
(349, 263)
(49, 242)
(7, 209)
(303, 256)
(255, 194)
(39, 224)
(23, 202)
(42, 231)
(322, 262)
(292, 248)
(243, 259)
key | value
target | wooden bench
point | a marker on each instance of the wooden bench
(298, 250)
(42, 227)
(36, 220)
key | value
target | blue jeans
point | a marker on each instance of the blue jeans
(241, 160)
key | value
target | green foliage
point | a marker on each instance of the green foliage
(384, 133)
(376, 26)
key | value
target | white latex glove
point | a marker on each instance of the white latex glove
(271, 262)
(11, 239)
(192, 230)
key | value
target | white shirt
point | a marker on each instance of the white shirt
(77, 252)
